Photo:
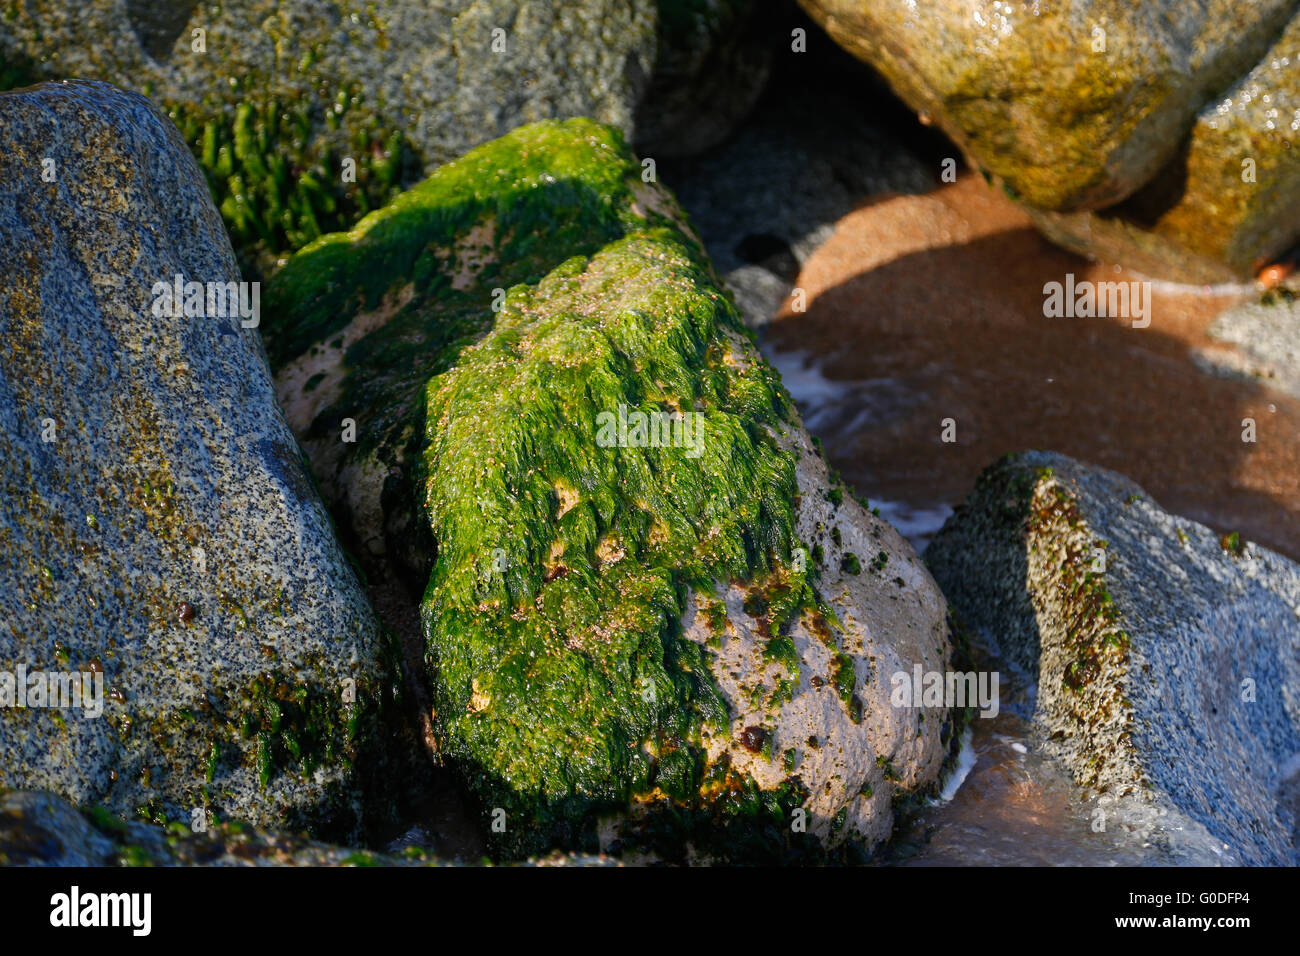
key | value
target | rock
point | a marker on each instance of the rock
(613, 619)
(1266, 334)
(711, 63)
(1168, 679)
(40, 829)
(283, 92)
(162, 536)
(769, 196)
(1072, 106)
(1228, 202)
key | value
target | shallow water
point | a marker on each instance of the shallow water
(1006, 801)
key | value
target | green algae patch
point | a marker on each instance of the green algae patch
(276, 190)
(534, 347)
(507, 212)
(541, 665)
(358, 322)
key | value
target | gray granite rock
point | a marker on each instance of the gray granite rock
(1267, 339)
(712, 59)
(161, 535)
(284, 91)
(1167, 658)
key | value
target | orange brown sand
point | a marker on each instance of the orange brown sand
(943, 294)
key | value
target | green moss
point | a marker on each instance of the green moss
(540, 664)
(105, 820)
(361, 858)
(844, 678)
(781, 650)
(277, 188)
(534, 672)
(132, 855)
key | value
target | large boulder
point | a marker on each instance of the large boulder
(1228, 201)
(1159, 135)
(652, 620)
(283, 92)
(1073, 105)
(161, 536)
(1166, 656)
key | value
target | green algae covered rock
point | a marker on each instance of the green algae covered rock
(276, 96)
(160, 540)
(1072, 105)
(647, 627)
(1166, 656)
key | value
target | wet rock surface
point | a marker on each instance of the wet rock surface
(1072, 106)
(1166, 657)
(161, 535)
(1158, 135)
(1228, 202)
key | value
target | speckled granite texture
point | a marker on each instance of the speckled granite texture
(159, 526)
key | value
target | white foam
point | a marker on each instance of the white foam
(966, 758)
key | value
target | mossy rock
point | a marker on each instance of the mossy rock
(1164, 653)
(39, 829)
(287, 100)
(1073, 106)
(1228, 202)
(486, 333)
(160, 528)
